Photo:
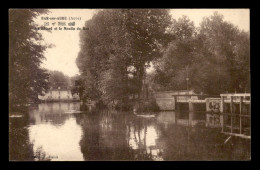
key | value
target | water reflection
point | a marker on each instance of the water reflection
(20, 148)
(55, 132)
(57, 135)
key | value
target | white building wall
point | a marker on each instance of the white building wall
(58, 95)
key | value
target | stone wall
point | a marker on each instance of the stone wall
(165, 99)
(165, 103)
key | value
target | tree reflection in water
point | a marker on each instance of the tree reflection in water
(20, 148)
(116, 136)
(122, 136)
(49, 131)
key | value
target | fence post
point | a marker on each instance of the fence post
(222, 111)
(191, 107)
(176, 109)
(240, 113)
(175, 103)
(231, 112)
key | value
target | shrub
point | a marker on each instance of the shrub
(121, 106)
(147, 106)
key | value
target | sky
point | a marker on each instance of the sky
(63, 55)
(238, 17)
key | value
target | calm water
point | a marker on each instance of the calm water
(47, 132)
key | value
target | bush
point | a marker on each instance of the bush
(120, 106)
(147, 106)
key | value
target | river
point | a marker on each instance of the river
(49, 132)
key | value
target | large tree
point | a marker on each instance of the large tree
(26, 52)
(214, 57)
(117, 47)
(179, 56)
(230, 49)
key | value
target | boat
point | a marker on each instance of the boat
(15, 116)
(145, 115)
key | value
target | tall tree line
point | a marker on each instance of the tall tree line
(215, 57)
(118, 46)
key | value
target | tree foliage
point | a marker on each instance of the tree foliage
(116, 48)
(215, 57)
(58, 79)
(26, 52)
(77, 86)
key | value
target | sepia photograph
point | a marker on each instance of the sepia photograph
(129, 84)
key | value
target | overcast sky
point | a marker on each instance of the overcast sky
(62, 57)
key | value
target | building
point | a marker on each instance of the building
(166, 101)
(58, 94)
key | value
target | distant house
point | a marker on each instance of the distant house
(58, 94)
